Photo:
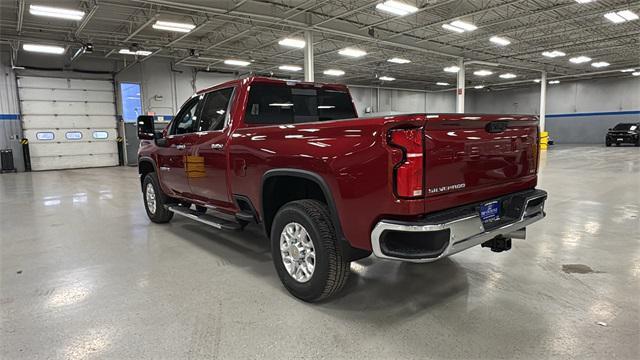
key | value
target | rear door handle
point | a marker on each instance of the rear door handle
(217, 146)
(181, 146)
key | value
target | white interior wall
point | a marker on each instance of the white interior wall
(10, 128)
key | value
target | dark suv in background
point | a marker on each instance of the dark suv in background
(624, 133)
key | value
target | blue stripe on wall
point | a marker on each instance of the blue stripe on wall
(9, 116)
(602, 113)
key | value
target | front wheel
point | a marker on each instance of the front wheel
(155, 200)
(307, 256)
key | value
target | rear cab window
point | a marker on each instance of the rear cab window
(273, 104)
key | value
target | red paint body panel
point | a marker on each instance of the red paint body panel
(464, 163)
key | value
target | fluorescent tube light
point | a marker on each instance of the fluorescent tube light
(396, 60)
(55, 12)
(296, 43)
(552, 82)
(236, 62)
(47, 49)
(479, 87)
(499, 40)
(580, 59)
(627, 70)
(386, 78)
(451, 69)
(482, 73)
(628, 15)
(440, 83)
(536, 81)
(173, 26)
(583, 1)
(464, 25)
(351, 52)
(137, 52)
(614, 18)
(290, 68)
(553, 54)
(637, 73)
(508, 76)
(396, 8)
(334, 72)
(600, 64)
(452, 28)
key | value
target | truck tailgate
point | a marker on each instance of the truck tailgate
(468, 155)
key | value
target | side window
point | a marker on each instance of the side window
(214, 111)
(187, 118)
(269, 105)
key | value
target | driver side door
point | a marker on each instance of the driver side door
(172, 155)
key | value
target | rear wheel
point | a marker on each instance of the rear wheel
(155, 200)
(306, 254)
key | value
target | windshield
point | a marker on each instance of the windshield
(625, 127)
(282, 104)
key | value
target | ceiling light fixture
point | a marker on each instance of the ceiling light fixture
(451, 69)
(290, 42)
(173, 26)
(479, 87)
(580, 59)
(396, 8)
(637, 73)
(553, 54)
(627, 70)
(55, 12)
(440, 83)
(553, 82)
(137, 52)
(290, 68)
(351, 52)
(396, 60)
(584, 1)
(621, 16)
(452, 28)
(482, 73)
(500, 40)
(236, 62)
(600, 64)
(508, 76)
(536, 81)
(46, 49)
(386, 78)
(464, 25)
(333, 72)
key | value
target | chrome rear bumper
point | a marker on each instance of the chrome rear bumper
(463, 231)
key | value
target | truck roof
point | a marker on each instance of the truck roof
(264, 79)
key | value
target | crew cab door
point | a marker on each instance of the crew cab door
(177, 144)
(209, 158)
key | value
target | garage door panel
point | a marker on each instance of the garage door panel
(42, 82)
(73, 162)
(66, 95)
(67, 108)
(73, 149)
(68, 121)
(91, 84)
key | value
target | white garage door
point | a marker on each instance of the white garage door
(70, 123)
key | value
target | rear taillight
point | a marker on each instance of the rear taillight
(408, 160)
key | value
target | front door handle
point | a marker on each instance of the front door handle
(217, 146)
(181, 146)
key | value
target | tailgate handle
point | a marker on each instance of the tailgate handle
(497, 126)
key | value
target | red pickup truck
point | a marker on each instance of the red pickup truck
(330, 188)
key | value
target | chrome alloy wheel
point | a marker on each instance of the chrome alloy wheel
(297, 252)
(150, 194)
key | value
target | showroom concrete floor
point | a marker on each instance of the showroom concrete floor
(85, 274)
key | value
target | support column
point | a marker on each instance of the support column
(543, 99)
(460, 88)
(308, 56)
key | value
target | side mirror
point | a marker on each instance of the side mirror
(146, 129)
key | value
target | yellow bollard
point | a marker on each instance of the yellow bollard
(544, 140)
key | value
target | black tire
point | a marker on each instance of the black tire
(607, 143)
(161, 214)
(331, 268)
